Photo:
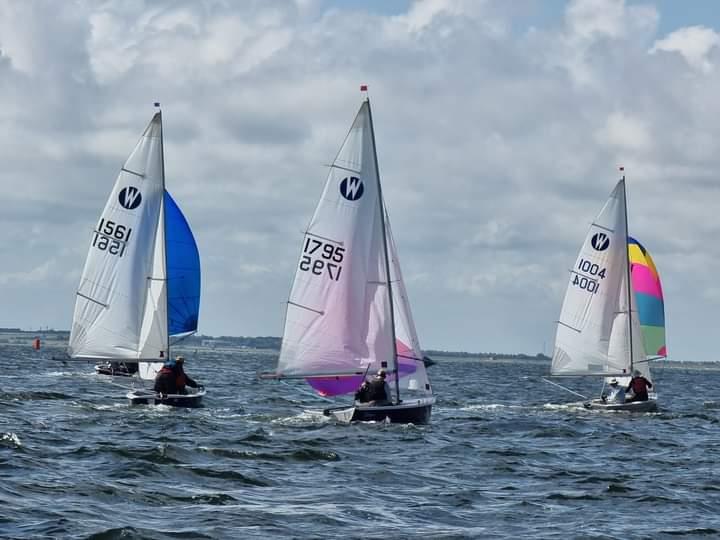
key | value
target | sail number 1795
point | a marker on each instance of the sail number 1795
(588, 276)
(320, 258)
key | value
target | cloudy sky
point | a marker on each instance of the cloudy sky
(500, 126)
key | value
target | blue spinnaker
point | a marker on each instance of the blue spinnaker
(183, 271)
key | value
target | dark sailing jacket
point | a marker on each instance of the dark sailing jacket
(165, 381)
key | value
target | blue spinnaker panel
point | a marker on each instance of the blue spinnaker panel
(183, 271)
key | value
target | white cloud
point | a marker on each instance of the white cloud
(625, 132)
(498, 138)
(693, 43)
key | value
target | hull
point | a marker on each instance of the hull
(634, 406)
(148, 397)
(416, 411)
(103, 369)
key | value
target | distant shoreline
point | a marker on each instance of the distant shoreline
(52, 336)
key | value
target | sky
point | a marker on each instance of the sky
(500, 128)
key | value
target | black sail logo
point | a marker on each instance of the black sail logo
(600, 241)
(352, 188)
(130, 197)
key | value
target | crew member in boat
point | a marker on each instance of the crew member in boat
(375, 391)
(639, 386)
(182, 379)
(615, 393)
(165, 380)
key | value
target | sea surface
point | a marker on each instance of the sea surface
(506, 456)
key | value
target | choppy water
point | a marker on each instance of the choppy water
(498, 461)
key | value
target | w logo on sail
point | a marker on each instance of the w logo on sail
(130, 197)
(600, 241)
(352, 188)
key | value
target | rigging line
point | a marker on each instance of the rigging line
(564, 388)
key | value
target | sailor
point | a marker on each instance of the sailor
(639, 386)
(165, 380)
(182, 379)
(376, 391)
(615, 393)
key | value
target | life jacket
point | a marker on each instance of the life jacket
(180, 381)
(639, 385)
(165, 381)
(376, 390)
(164, 372)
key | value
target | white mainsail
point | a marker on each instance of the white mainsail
(338, 318)
(121, 305)
(593, 333)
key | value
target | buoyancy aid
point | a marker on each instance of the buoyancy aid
(640, 385)
(164, 381)
(376, 390)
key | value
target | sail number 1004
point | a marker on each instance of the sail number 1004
(588, 277)
(319, 257)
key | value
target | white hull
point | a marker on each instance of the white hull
(634, 406)
(148, 397)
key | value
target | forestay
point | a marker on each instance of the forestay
(121, 305)
(593, 332)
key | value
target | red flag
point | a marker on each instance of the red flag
(363, 87)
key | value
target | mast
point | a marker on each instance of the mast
(396, 369)
(162, 213)
(627, 270)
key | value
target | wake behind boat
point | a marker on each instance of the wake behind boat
(141, 283)
(348, 311)
(612, 314)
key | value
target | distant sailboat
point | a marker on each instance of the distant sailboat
(348, 311)
(599, 331)
(141, 283)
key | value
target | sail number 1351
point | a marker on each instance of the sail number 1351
(320, 258)
(590, 281)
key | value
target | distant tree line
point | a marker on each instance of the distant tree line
(462, 354)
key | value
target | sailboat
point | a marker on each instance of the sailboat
(601, 332)
(348, 311)
(140, 287)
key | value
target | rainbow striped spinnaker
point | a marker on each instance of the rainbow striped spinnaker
(649, 297)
